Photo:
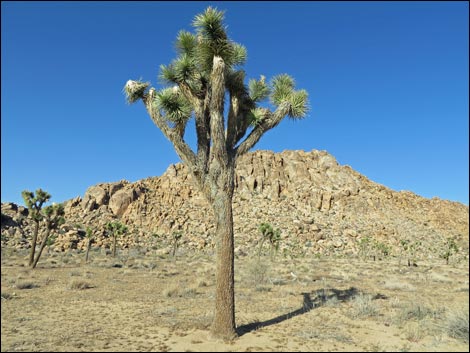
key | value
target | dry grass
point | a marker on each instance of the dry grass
(24, 284)
(457, 325)
(363, 306)
(167, 304)
(79, 284)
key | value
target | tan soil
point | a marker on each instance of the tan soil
(158, 303)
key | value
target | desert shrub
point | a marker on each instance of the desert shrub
(7, 296)
(417, 311)
(457, 325)
(25, 284)
(172, 291)
(363, 306)
(79, 284)
(257, 272)
(414, 332)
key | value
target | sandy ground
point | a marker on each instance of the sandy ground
(159, 303)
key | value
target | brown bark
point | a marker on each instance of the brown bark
(223, 325)
(43, 245)
(88, 250)
(114, 246)
(33, 243)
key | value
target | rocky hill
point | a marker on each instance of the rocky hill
(320, 207)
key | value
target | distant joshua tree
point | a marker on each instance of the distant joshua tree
(273, 236)
(53, 217)
(116, 229)
(205, 78)
(176, 237)
(34, 204)
(89, 236)
(450, 248)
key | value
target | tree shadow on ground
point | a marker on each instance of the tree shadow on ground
(320, 297)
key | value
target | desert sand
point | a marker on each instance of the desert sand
(163, 303)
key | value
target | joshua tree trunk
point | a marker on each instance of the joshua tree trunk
(114, 246)
(224, 317)
(43, 245)
(87, 250)
(33, 244)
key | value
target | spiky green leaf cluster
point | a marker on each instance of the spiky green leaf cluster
(282, 88)
(186, 43)
(34, 202)
(283, 91)
(213, 41)
(56, 209)
(255, 116)
(89, 233)
(175, 105)
(116, 228)
(258, 89)
(134, 90)
(298, 104)
(54, 215)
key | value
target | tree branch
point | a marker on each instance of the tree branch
(232, 121)
(173, 135)
(218, 148)
(271, 120)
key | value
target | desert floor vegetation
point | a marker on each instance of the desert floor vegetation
(136, 302)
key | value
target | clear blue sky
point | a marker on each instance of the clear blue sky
(388, 85)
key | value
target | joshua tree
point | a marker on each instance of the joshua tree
(34, 204)
(53, 216)
(207, 69)
(450, 248)
(89, 236)
(410, 248)
(116, 229)
(176, 237)
(270, 234)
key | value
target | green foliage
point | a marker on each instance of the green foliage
(258, 90)
(410, 248)
(51, 240)
(174, 104)
(186, 43)
(283, 92)
(213, 41)
(54, 215)
(34, 202)
(191, 71)
(382, 249)
(116, 228)
(256, 116)
(365, 246)
(450, 248)
(89, 233)
(282, 88)
(273, 236)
